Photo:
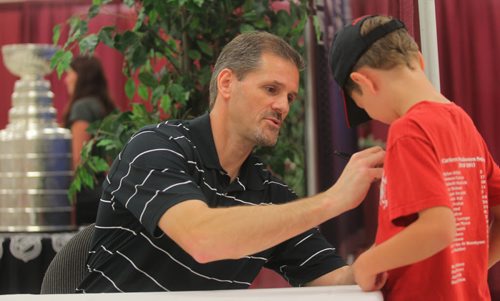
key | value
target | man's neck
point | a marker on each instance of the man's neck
(231, 150)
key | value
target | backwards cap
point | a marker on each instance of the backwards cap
(347, 47)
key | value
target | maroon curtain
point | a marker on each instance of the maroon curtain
(33, 21)
(468, 60)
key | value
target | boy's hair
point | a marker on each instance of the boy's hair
(376, 41)
(396, 48)
(243, 55)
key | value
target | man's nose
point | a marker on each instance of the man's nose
(281, 105)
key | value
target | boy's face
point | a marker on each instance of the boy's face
(369, 97)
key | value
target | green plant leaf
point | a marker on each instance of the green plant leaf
(78, 28)
(106, 36)
(142, 91)
(74, 23)
(88, 44)
(126, 40)
(105, 142)
(101, 2)
(178, 93)
(64, 62)
(130, 88)
(98, 164)
(147, 78)
(166, 103)
(56, 34)
(139, 56)
(194, 54)
(157, 94)
(199, 3)
(86, 177)
(139, 113)
(246, 28)
(250, 16)
(56, 58)
(129, 3)
(94, 10)
(205, 75)
(205, 47)
(153, 16)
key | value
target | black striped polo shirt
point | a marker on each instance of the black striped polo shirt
(163, 165)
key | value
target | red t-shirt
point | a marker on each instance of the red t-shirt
(436, 157)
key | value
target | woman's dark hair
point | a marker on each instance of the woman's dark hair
(91, 82)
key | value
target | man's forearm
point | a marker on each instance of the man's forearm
(231, 233)
(340, 276)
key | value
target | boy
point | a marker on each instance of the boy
(440, 182)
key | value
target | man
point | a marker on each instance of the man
(186, 205)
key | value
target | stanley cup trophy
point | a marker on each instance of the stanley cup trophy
(35, 154)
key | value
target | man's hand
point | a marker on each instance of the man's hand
(357, 177)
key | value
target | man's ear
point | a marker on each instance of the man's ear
(364, 82)
(224, 80)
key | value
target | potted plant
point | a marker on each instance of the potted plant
(168, 56)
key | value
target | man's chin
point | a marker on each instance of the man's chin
(267, 142)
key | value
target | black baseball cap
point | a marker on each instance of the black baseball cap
(347, 47)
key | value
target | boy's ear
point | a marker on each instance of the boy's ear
(421, 60)
(364, 81)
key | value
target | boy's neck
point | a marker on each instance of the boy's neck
(412, 87)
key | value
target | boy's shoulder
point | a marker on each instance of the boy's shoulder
(430, 114)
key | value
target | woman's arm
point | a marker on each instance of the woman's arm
(80, 136)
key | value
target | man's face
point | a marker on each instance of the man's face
(261, 100)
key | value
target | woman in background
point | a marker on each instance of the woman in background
(89, 101)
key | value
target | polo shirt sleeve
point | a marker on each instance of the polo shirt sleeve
(305, 258)
(152, 174)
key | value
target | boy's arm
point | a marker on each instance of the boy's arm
(494, 253)
(430, 233)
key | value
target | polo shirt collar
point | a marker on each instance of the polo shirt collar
(204, 141)
(252, 171)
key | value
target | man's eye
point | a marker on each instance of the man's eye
(291, 98)
(271, 89)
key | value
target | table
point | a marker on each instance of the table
(325, 293)
(24, 257)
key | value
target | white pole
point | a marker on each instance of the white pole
(428, 39)
(310, 116)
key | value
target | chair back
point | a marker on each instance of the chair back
(67, 270)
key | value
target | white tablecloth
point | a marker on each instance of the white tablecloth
(328, 293)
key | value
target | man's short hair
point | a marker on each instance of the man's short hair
(243, 55)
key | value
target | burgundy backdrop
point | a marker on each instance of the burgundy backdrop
(33, 21)
(468, 41)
